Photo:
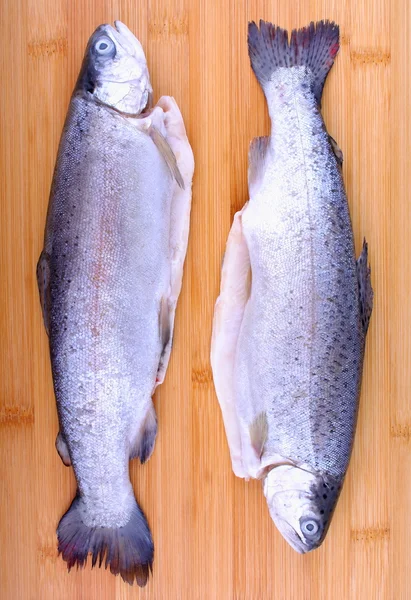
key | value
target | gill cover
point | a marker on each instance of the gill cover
(114, 70)
(301, 503)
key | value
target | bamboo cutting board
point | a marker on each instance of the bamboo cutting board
(213, 534)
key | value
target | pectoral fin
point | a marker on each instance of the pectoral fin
(166, 152)
(258, 433)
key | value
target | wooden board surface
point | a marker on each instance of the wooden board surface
(213, 534)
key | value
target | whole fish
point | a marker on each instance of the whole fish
(292, 316)
(109, 278)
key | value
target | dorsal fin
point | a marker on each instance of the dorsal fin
(43, 282)
(257, 154)
(365, 288)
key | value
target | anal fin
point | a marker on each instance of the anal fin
(143, 445)
(338, 153)
(62, 449)
(365, 288)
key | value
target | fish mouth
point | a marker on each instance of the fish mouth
(292, 537)
(126, 39)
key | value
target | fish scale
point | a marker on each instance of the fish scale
(116, 283)
(302, 208)
(287, 349)
(109, 278)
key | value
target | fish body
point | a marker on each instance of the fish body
(291, 319)
(109, 278)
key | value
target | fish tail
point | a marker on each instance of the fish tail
(128, 550)
(314, 46)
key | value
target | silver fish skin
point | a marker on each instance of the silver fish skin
(291, 319)
(109, 277)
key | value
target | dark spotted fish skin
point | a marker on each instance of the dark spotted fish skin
(301, 345)
(109, 278)
(105, 285)
(105, 289)
(288, 349)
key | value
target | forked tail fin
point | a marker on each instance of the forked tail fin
(127, 550)
(314, 46)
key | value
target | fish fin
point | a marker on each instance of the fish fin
(166, 152)
(165, 327)
(338, 153)
(314, 46)
(228, 317)
(258, 433)
(257, 153)
(43, 282)
(128, 550)
(62, 449)
(164, 321)
(365, 287)
(143, 445)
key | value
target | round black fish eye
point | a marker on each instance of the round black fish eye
(310, 527)
(104, 46)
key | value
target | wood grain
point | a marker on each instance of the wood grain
(213, 534)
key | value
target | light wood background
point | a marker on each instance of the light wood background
(213, 535)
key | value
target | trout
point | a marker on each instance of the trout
(109, 276)
(291, 319)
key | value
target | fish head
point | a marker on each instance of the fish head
(301, 503)
(114, 70)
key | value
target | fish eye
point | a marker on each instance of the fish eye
(104, 46)
(310, 527)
